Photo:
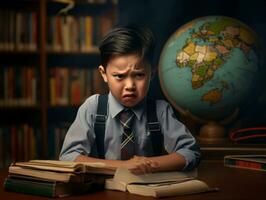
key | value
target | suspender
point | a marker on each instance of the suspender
(154, 128)
(99, 125)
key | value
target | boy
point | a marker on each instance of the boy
(125, 67)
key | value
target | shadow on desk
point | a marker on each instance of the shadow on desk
(233, 183)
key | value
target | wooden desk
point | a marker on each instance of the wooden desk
(233, 183)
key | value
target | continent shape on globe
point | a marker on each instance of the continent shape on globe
(209, 66)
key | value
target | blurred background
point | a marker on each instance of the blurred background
(49, 59)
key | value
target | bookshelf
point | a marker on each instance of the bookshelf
(48, 62)
(22, 117)
(72, 62)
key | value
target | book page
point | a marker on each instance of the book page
(124, 175)
(49, 175)
(111, 184)
(70, 164)
(183, 188)
(52, 167)
(67, 166)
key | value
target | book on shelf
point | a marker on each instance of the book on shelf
(18, 85)
(18, 30)
(253, 162)
(72, 33)
(160, 184)
(19, 142)
(71, 86)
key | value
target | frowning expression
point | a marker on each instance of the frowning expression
(128, 78)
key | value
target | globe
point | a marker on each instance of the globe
(209, 67)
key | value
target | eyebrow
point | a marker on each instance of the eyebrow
(134, 71)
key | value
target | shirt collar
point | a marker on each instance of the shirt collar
(115, 107)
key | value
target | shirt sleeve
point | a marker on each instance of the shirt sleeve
(80, 136)
(177, 138)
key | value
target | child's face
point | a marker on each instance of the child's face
(128, 78)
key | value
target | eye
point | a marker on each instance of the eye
(118, 76)
(140, 75)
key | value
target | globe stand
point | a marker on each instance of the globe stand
(211, 132)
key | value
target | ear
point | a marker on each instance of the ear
(103, 73)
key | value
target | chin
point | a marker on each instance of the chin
(129, 104)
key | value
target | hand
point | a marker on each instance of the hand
(141, 165)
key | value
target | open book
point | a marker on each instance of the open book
(68, 166)
(161, 184)
(63, 171)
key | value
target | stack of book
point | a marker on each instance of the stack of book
(54, 178)
(161, 184)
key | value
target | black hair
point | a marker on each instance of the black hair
(125, 40)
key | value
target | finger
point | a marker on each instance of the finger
(148, 165)
(137, 171)
(155, 165)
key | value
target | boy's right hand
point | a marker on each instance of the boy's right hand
(141, 165)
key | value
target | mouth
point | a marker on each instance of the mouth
(129, 96)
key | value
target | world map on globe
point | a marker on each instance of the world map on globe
(210, 66)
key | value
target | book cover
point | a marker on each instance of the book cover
(253, 162)
(50, 189)
(169, 189)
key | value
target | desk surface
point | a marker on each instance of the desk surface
(233, 184)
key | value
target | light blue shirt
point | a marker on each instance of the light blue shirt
(80, 138)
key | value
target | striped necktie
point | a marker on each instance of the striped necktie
(127, 140)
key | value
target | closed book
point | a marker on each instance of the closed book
(124, 175)
(49, 175)
(50, 189)
(160, 184)
(253, 162)
(169, 189)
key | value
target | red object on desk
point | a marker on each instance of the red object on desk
(252, 135)
(247, 164)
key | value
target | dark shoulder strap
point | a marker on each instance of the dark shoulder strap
(154, 128)
(99, 125)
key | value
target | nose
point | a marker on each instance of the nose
(130, 84)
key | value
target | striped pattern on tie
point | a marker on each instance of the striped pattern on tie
(127, 140)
